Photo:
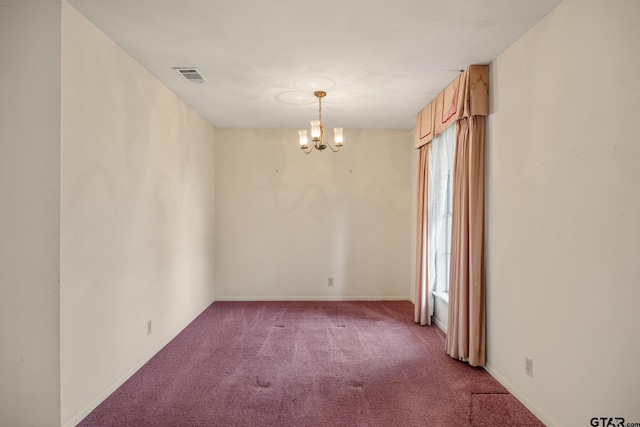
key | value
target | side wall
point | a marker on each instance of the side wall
(137, 215)
(286, 222)
(29, 213)
(563, 214)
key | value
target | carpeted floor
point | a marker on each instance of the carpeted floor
(309, 364)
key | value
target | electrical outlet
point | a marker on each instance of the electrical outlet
(528, 366)
(330, 281)
(148, 327)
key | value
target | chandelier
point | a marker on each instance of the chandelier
(317, 132)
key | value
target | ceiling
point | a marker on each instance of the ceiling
(379, 61)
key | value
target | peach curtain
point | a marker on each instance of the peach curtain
(466, 322)
(422, 290)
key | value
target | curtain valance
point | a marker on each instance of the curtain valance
(466, 96)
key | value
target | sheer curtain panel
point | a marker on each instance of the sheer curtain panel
(440, 194)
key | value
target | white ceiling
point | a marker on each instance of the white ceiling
(380, 61)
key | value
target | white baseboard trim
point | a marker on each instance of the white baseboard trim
(521, 397)
(124, 377)
(439, 324)
(312, 298)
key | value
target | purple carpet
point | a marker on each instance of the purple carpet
(309, 364)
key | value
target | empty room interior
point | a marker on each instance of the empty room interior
(132, 199)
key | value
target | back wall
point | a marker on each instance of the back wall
(286, 222)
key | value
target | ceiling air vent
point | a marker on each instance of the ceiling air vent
(192, 75)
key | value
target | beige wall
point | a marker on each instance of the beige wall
(29, 212)
(286, 221)
(563, 214)
(137, 215)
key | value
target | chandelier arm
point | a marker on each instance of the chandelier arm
(335, 150)
(310, 150)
